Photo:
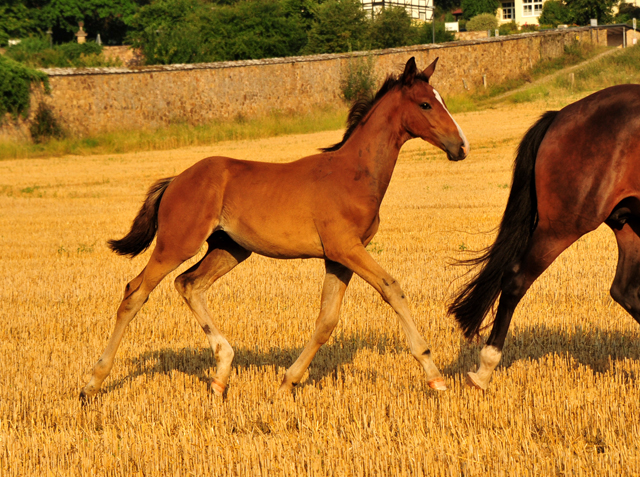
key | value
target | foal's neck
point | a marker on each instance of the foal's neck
(375, 144)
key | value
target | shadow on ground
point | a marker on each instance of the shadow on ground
(591, 347)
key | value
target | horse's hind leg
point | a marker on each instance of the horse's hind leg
(135, 295)
(222, 256)
(626, 285)
(545, 246)
(335, 283)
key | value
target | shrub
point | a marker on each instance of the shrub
(510, 28)
(15, 87)
(425, 33)
(45, 125)
(526, 28)
(484, 21)
(36, 52)
(358, 79)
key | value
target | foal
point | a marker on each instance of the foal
(322, 206)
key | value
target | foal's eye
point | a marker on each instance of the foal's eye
(425, 106)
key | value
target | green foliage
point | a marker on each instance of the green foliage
(391, 28)
(510, 28)
(425, 33)
(36, 52)
(44, 125)
(107, 17)
(190, 31)
(583, 10)
(472, 8)
(15, 21)
(15, 87)
(482, 22)
(555, 12)
(251, 29)
(338, 26)
(626, 12)
(579, 12)
(358, 80)
(23, 18)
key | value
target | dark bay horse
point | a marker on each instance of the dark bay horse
(575, 169)
(322, 206)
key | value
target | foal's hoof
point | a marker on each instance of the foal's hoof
(438, 384)
(87, 394)
(218, 388)
(473, 381)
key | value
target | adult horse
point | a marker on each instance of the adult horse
(575, 169)
(322, 206)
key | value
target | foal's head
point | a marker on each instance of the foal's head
(425, 115)
(421, 110)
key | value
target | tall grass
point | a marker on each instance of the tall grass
(180, 135)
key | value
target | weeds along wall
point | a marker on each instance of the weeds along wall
(93, 100)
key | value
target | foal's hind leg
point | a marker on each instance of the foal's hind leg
(135, 295)
(335, 283)
(626, 285)
(222, 256)
(544, 248)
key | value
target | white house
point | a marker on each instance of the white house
(520, 11)
(417, 9)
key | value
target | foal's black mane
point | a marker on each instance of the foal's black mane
(361, 106)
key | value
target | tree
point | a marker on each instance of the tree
(391, 28)
(472, 8)
(338, 26)
(251, 29)
(109, 18)
(627, 11)
(15, 21)
(555, 12)
(584, 10)
(190, 31)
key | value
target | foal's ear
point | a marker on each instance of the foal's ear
(410, 71)
(428, 71)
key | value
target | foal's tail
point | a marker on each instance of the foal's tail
(144, 225)
(520, 218)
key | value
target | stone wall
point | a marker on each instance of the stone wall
(103, 99)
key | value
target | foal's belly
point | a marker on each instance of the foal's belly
(276, 240)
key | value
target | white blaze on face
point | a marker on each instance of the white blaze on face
(462, 136)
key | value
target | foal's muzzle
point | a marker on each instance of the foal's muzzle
(457, 152)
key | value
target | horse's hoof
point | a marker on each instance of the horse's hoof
(438, 384)
(86, 395)
(218, 388)
(473, 381)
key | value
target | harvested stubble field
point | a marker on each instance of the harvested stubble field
(564, 401)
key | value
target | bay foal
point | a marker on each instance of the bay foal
(322, 206)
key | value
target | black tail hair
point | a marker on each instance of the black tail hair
(144, 225)
(475, 300)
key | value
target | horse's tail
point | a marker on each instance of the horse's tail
(520, 218)
(144, 225)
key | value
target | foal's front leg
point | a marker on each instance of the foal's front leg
(335, 283)
(359, 260)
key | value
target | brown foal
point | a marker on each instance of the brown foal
(322, 206)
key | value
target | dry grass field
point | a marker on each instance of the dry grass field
(564, 401)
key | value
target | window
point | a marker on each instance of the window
(532, 8)
(508, 11)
